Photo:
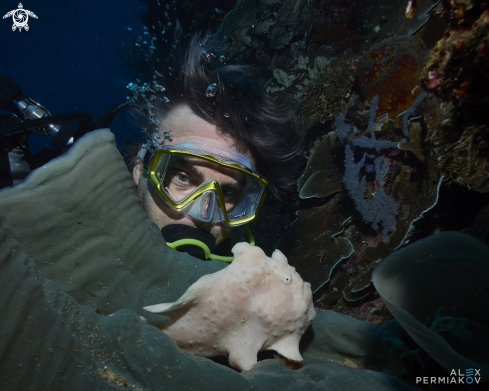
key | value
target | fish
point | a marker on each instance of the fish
(256, 303)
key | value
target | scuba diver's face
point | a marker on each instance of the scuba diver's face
(184, 126)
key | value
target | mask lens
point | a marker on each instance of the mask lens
(250, 197)
(185, 179)
(181, 177)
(206, 205)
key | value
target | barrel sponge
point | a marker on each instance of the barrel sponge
(446, 275)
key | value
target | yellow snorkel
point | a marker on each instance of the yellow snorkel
(207, 252)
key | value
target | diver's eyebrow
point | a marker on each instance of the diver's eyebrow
(186, 163)
(234, 186)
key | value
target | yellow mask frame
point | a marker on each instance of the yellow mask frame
(156, 174)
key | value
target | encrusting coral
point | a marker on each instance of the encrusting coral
(457, 71)
(321, 177)
(391, 70)
(327, 93)
(254, 304)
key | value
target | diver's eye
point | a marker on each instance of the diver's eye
(231, 196)
(229, 193)
(182, 178)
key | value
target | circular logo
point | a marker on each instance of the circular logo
(20, 18)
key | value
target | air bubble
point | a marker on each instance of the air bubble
(211, 90)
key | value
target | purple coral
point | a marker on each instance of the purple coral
(381, 209)
(343, 129)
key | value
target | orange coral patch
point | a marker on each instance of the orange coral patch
(391, 70)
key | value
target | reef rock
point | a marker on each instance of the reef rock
(254, 304)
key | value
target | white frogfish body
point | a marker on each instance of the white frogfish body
(254, 304)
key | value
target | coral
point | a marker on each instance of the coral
(321, 177)
(401, 188)
(391, 69)
(342, 128)
(326, 94)
(311, 245)
(467, 159)
(295, 80)
(358, 289)
(381, 209)
(457, 67)
(370, 142)
(457, 71)
(414, 143)
(373, 311)
(254, 304)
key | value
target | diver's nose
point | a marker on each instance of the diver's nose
(206, 205)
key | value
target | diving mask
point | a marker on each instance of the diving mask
(206, 184)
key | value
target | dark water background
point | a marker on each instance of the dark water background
(69, 59)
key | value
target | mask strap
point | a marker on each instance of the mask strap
(205, 248)
(145, 155)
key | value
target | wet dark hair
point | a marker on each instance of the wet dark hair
(236, 105)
